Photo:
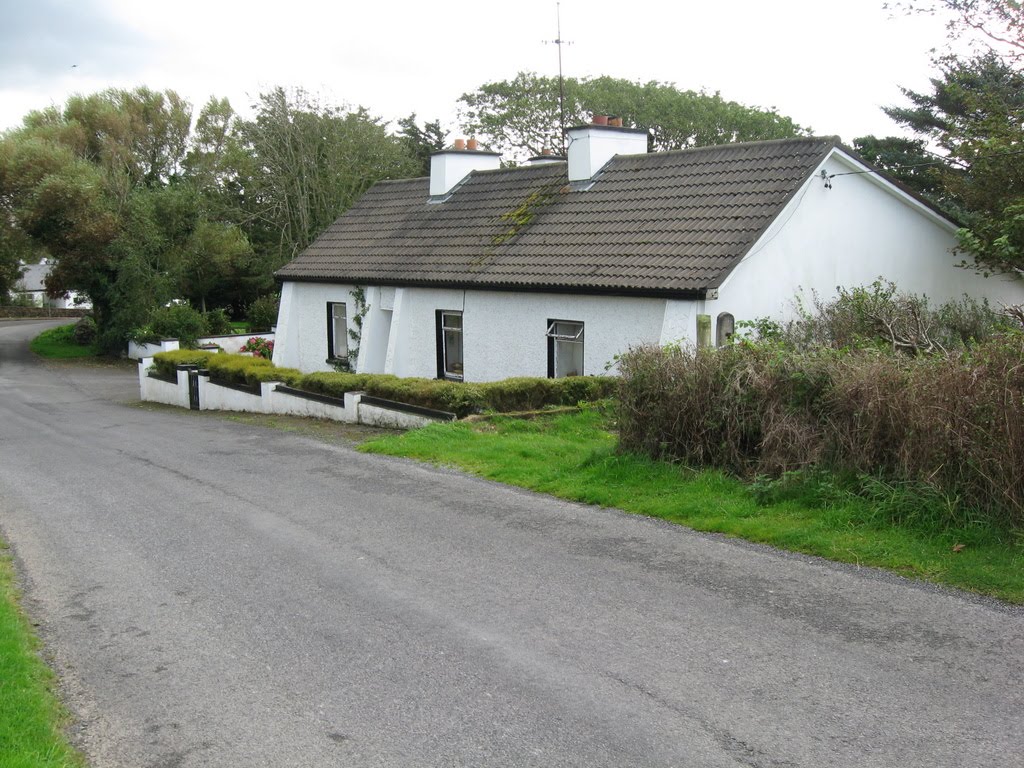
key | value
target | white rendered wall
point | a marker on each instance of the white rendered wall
(213, 397)
(504, 333)
(412, 349)
(848, 236)
(590, 147)
(449, 167)
(160, 391)
(301, 338)
(679, 325)
(373, 345)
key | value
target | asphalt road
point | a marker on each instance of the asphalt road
(218, 594)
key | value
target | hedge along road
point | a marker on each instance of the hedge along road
(218, 594)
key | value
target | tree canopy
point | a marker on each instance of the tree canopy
(521, 116)
(973, 115)
(136, 208)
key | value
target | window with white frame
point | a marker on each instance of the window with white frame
(565, 348)
(449, 345)
(337, 332)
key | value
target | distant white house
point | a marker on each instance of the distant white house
(479, 273)
(33, 287)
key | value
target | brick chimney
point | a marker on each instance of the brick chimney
(450, 166)
(591, 146)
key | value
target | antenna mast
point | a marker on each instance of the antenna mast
(561, 81)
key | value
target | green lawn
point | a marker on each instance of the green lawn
(59, 343)
(574, 456)
(30, 715)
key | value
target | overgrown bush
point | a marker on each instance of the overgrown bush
(178, 321)
(881, 317)
(216, 323)
(85, 331)
(951, 422)
(261, 314)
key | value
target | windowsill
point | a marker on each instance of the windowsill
(452, 377)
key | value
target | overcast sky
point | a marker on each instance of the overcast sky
(827, 64)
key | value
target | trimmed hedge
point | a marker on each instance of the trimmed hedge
(462, 399)
(247, 369)
(166, 363)
(235, 369)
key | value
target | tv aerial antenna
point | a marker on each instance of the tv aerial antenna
(561, 81)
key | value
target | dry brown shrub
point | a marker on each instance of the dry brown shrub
(954, 422)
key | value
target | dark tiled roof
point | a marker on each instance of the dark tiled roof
(674, 222)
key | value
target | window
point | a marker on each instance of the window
(565, 348)
(337, 332)
(726, 328)
(449, 345)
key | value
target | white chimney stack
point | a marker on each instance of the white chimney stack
(591, 146)
(450, 166)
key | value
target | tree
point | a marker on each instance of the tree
(908, 161)
(15, 246)
(997, 24)
(419, 142)
(101, 186)
(975, 114)
(310, 163)
(522, 117)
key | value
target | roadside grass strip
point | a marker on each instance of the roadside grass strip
(30, 715)
(59, 343)
(573, 456)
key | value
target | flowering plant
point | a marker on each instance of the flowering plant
(259, 347)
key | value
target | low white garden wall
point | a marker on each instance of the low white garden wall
(274, 397)
(231, 343)
(156, 390)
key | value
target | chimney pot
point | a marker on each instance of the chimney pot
(600, 120)
(460, 143)
(546, 151)
(472, 144)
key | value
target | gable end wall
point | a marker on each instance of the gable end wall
(860, 229)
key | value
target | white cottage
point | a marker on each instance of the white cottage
(32, 286)
(479, 273)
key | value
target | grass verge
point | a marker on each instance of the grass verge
(59, 343)
(573, 456)
(30, 715)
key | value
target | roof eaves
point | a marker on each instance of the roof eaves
(676, 293)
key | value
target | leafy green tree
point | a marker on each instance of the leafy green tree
(310, 163)
(99, 185)
(974, 112)
(908, 161)
(216, 257)
(419, 142)
(522, 116)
